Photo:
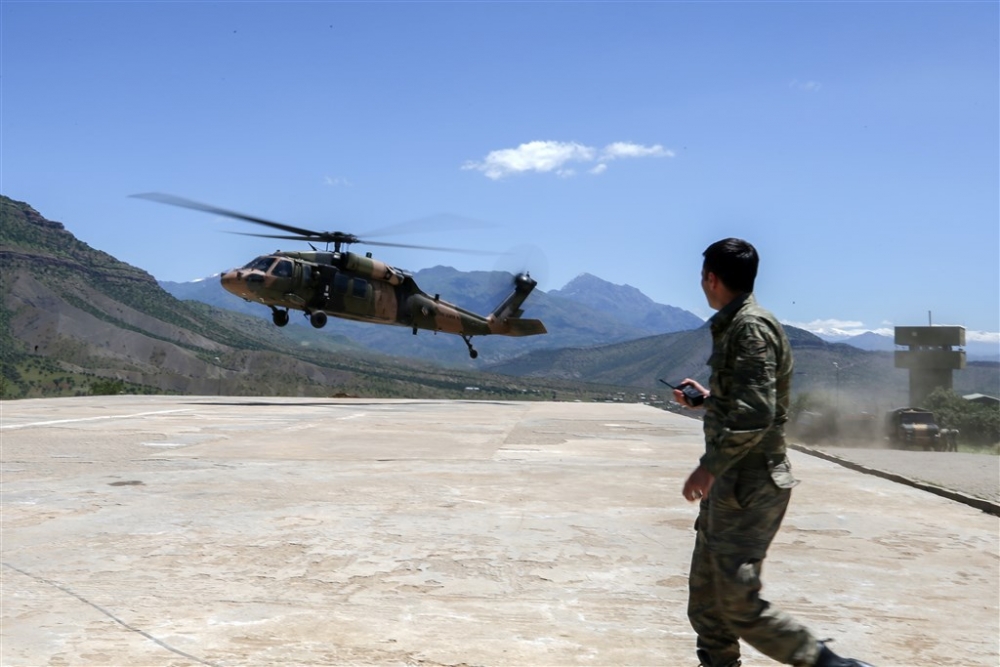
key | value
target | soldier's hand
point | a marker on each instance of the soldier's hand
(679, 396)
(698, 484)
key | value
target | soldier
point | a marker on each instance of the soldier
(744, 480)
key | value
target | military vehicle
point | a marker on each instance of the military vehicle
(914, 428)
(355, 287)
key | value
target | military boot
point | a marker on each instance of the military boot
(705, 661)
(828, 658)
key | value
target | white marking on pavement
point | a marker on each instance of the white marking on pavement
(89, 419)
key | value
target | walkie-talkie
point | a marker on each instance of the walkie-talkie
(694, 397)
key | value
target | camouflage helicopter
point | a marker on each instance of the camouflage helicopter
(354, 287)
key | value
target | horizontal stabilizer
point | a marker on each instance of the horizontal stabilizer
(519, 327)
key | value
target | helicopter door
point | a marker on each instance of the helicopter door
(352, 296)
(303, 285)
(324, 285)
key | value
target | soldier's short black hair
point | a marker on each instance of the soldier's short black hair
(734, 261)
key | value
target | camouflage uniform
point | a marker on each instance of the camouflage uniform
(745, 450)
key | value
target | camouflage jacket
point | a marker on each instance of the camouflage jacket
(751, 381)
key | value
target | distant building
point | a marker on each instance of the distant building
(983, 399)
(929, 358)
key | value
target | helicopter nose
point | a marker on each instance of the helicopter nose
(232, 281)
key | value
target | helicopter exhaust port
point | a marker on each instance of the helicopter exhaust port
(317, 318)
(279, 317)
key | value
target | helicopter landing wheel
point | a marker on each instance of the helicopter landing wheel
(317, 319)
(468, 343)
(279, 317)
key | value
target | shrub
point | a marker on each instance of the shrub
(107, 387)
(977, 424)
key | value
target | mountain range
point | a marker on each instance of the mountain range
(869, 340)
(73, 317)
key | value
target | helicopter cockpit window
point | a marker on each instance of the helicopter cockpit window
(360, 288)
(259, 264)
(283, 269)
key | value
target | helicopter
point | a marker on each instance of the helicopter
(355, 287)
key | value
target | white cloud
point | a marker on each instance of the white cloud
(982, 337)
(806, 86)
(555, 156)
(622, 149)
(831, 327)
(336, 181)
(834, 328)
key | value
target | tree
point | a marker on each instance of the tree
(977, 424)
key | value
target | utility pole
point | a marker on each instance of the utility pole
(837, 366)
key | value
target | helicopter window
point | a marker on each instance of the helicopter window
(260, 264)
(340, 283)
(283, 269)
(360, 288)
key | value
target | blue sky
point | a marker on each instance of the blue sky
(856, 144)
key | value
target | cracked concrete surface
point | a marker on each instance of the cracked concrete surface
(234, 531)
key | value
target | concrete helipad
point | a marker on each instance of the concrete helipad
(236, 531)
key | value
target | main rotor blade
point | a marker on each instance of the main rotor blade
(428, 247)
(208, 208)
(288, 237)
(439, 222)
(308, 234)
(322, 239)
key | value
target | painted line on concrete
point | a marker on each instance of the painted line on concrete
(54, 422)
(978, 503)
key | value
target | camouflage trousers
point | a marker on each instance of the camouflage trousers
(735, 526)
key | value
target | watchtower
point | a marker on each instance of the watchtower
(930, 358)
